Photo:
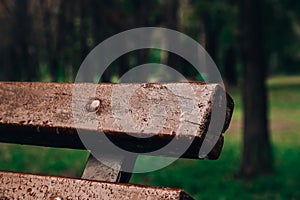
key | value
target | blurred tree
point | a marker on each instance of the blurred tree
(52, 50)
(283, 45)
(217, 32)
(228, 42)
(257, 155)
(171, 22)
(142, 16)
(23, 57)
(5, 50)
(107, 20)
(85, 10)
(230, 62)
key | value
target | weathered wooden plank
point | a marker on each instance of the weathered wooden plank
(27, 186)
(42, 114)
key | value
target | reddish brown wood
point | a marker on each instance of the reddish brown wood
(27, 186)
(41, 114)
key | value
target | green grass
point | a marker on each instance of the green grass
(202, 179)
(42, 160)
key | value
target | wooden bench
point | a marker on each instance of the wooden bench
(44, 114)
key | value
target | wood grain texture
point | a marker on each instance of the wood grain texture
(49, 114)
(27, 186)
(108, 171)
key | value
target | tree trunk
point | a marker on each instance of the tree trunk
(50, 42)
(22, 62)
(257, 155)
(171, 20)
(142, 16)
(55, 46)
(211, 38)
(99, 13)
(84, 28)
(230, 74)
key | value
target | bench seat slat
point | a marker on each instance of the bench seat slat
(28, 186)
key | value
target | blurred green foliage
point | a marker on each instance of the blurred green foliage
(42, 160)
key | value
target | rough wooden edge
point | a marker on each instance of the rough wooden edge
(28, 186)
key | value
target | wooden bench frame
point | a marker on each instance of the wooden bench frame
(42, 114)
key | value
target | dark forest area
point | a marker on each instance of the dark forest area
(48, 40)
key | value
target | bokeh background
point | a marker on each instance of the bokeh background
(255, 44)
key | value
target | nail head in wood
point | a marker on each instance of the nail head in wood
(93, 105)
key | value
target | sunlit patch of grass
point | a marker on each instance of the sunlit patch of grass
(283, 81)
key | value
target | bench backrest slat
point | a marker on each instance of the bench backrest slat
(42, 113)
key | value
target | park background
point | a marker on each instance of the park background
(255, 44)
